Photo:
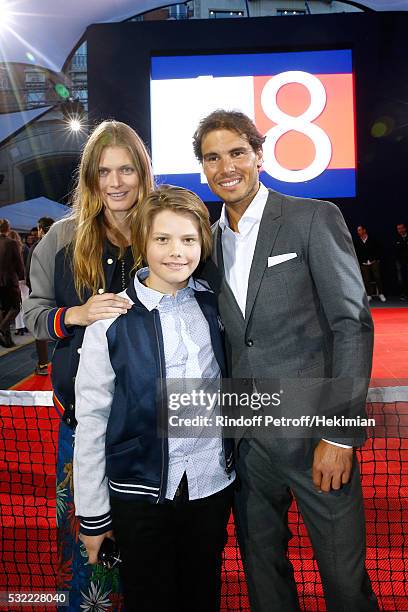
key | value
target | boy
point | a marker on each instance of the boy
(166, 501)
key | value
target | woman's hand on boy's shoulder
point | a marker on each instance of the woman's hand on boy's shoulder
(103, 306)
(93, 544)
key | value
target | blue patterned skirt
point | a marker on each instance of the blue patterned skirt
(91, 587)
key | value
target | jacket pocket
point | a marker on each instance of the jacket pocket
(124, 460)
(284, 266)
(312, 375)
(132, 443)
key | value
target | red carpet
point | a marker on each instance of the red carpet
(27, 477)
(390, 361)
(390, 346)
(34, 383)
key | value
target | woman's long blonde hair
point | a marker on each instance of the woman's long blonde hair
(88, 206)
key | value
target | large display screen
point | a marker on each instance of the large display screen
(302, 101)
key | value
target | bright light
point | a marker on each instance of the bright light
(75, 125)
(5, 14)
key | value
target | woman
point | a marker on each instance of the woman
(75, 272)
(24, 248)
(19, 321)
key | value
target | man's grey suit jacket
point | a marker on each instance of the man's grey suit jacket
(306, 318)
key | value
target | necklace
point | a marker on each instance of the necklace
(122, 273)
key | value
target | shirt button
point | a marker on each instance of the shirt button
(249, 342)
(79, 351)
(101, 290)
(109, 261)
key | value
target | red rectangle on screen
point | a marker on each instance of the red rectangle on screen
(295, 150)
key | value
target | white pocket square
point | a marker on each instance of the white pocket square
(277, 259)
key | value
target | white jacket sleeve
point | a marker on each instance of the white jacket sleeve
(94, 388)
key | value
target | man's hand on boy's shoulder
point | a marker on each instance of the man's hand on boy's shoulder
(93, 544)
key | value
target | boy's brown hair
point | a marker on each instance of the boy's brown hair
(178, 200)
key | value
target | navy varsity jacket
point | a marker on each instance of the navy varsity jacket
(123, 409)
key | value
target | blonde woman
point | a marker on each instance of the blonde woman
(76, 272)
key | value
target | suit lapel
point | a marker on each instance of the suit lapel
(268, 232)
(218, 257)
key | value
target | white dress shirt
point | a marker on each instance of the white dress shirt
(238, 247)
(189, 358)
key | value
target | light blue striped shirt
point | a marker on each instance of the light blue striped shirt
(188, 355)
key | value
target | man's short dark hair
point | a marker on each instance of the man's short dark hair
(45, 223)
(234, 121)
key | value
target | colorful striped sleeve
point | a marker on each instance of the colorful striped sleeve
(56, 325)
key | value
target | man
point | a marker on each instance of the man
(32, 237)
(43, 225)
(293, 305)
(401, 260)
(11, 270)
(368, 255)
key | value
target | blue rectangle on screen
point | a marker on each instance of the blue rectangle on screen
(250, 64)
(340, 183)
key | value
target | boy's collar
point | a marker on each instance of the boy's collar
(151, 298)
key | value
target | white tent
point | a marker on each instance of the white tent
(44, 32)
(22, 216)
(11, 122)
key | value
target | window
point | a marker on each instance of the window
(4, 80)
(213, 14)
(290, 12)
(178, 11)
(35, 98)
(79, 62)
(34, 77)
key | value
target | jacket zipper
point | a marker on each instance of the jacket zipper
(162, 396)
